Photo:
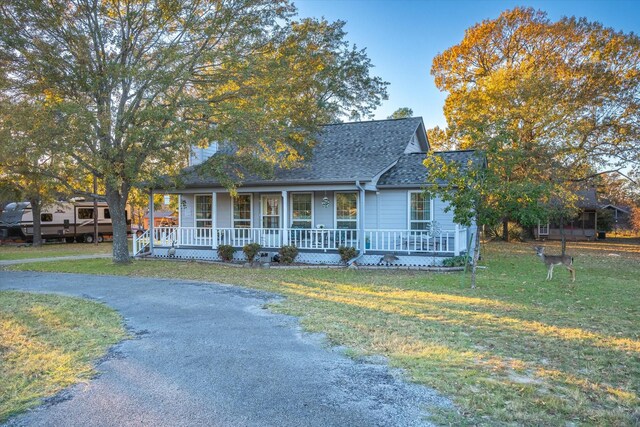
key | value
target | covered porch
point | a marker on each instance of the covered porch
(318, 221)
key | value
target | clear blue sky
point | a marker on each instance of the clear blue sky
(403, 36)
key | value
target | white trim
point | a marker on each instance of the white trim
(313, 211)
(431, 206)
(179, 210)
(335, 208)
(280, 209)
(540, 227)
(233, 220)
(195, 209)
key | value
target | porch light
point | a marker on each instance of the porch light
(183, 204)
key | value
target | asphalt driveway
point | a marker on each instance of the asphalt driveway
(206, 354)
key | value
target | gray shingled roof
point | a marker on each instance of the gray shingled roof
(410, 171)
(344, 152)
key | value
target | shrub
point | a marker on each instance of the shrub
(251, 250)
(456, 261)
(288, 254)
(516, 233)
(225, 252)
(347, 253)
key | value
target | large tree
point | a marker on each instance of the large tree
(28, 164)
(136, 81)
(550, 103)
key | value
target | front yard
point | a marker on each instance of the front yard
(13, 252)
(516, 350)
(47, 343)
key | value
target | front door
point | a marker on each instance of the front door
(271, 210)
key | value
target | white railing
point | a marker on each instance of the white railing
(445, 241)
(238, 237)
(141, 243)
(451, 242)
(322, 238)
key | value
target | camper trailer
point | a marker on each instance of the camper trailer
(72, 221)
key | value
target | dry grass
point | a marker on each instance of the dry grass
(11, 252)
(517, 350)
(48, 342)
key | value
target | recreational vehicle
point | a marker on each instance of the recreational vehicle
(72, 221)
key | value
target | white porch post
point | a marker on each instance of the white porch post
(214, 220)
(456, 241)
(285, 218)
(179, 230)
(361, 215)
(151, 221)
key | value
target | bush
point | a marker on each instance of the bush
(225, 252)
(288, 254)
(347, 253)
(251, 250)
(516, 233)
(456, 261)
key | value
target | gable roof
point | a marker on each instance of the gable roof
(409, 170)
(345, 152)
(587, 199)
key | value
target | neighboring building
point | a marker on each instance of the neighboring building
(363, 187)
(582, 227)
(621, 216)
(161, 218)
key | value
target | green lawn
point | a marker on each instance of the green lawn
(48, 342)
(11, 252)
(517, 350)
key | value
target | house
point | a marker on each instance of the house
(581, 227)
(620, 215)
(161, 218)
(362, 188)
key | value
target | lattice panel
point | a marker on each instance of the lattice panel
(305, 257)
(318, 258)
(404, 260)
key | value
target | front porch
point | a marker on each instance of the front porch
(317, 246)
(318, 220)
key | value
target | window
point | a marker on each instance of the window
(271, 211)
(242, 211)
(419, 211)
(301, 208)
(46, 217)
(204, 213)
(107, 213)
(347, 211)
(85, 213)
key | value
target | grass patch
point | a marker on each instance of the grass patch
(11, 252)
(517, 350)
(47, 343)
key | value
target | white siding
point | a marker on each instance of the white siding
(187, 214)
(223, 211)
(371, 205)
(199, 155)
(321, 214)
(393, 211)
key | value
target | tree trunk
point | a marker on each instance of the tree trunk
(117, 201)
(563, 237)
(476, 257)
(505, 229)
(36, 209)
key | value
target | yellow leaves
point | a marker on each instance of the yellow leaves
(52, 98)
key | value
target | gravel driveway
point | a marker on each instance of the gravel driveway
(206, 354)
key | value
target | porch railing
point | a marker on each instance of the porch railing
(450, 242)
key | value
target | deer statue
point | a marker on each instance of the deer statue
(552, 260)
(172, 250)
(388, 259)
